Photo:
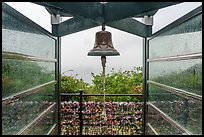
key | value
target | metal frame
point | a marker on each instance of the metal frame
(81, 95)
(98, 15)
(139, 29)
(179, 21)
(78, 94)
(170, 89)
(36, 120)
(8, 9)
(18, 56)
(153, 130)
(197, 55)
(144, 84)
(58, 84)
(176, 91)
(9, 55)
(169, 119)
(73, 25)
(91, 14)
(12, 98)
(51, 131)
(94, 10)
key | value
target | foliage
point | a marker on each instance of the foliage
(120, 82)
(18, 76)
(22, 75)
(186, 111)
(70, 84)
(189, 80)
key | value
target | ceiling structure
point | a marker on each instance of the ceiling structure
(118, 15)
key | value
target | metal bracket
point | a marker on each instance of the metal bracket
(148, 20)
(55, 19)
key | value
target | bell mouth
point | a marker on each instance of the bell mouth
(103, 53)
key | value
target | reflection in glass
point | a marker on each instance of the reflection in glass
(42, 127)
(183, 39)
(19, 37)
(21, 112)
(183, 74)
(161, 126)
(19, 75)
(187, 112)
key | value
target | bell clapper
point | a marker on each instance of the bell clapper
(103, 62)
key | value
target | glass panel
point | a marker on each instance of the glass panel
(42, 127)
(21, 112)
(149, 131)
(185, 111)
(183, 74)
(183, 39)
(19, 75)
(19, 37)
(161, 126)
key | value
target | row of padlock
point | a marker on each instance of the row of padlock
(91, 115)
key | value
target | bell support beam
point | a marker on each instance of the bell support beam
(132, 26)
(149, 13)
(120, 10)
(91, 14)
(113, 11)
(90, 10)
(60, 12)
(65, 14)
(72, 25)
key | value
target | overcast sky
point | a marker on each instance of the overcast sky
(76, 46)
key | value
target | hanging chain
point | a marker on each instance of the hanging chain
(103, 27)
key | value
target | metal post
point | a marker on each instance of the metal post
(58, 85)
(144, 88)
(147, 21)
(56, 20)
(80, 112)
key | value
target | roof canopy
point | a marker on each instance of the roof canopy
(118, 15)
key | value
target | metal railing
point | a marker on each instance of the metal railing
(92, 122)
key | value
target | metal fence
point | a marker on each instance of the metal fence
(84, 117)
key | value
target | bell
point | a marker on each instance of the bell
(103, 45)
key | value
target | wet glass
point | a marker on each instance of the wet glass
(20, 113)
(183, 39)
(160, 125)
(22, 39)
(182, 74)
(44, 126)
(19, 37)
(18, 75)
(186, 111)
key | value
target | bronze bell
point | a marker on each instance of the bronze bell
(103, 45)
